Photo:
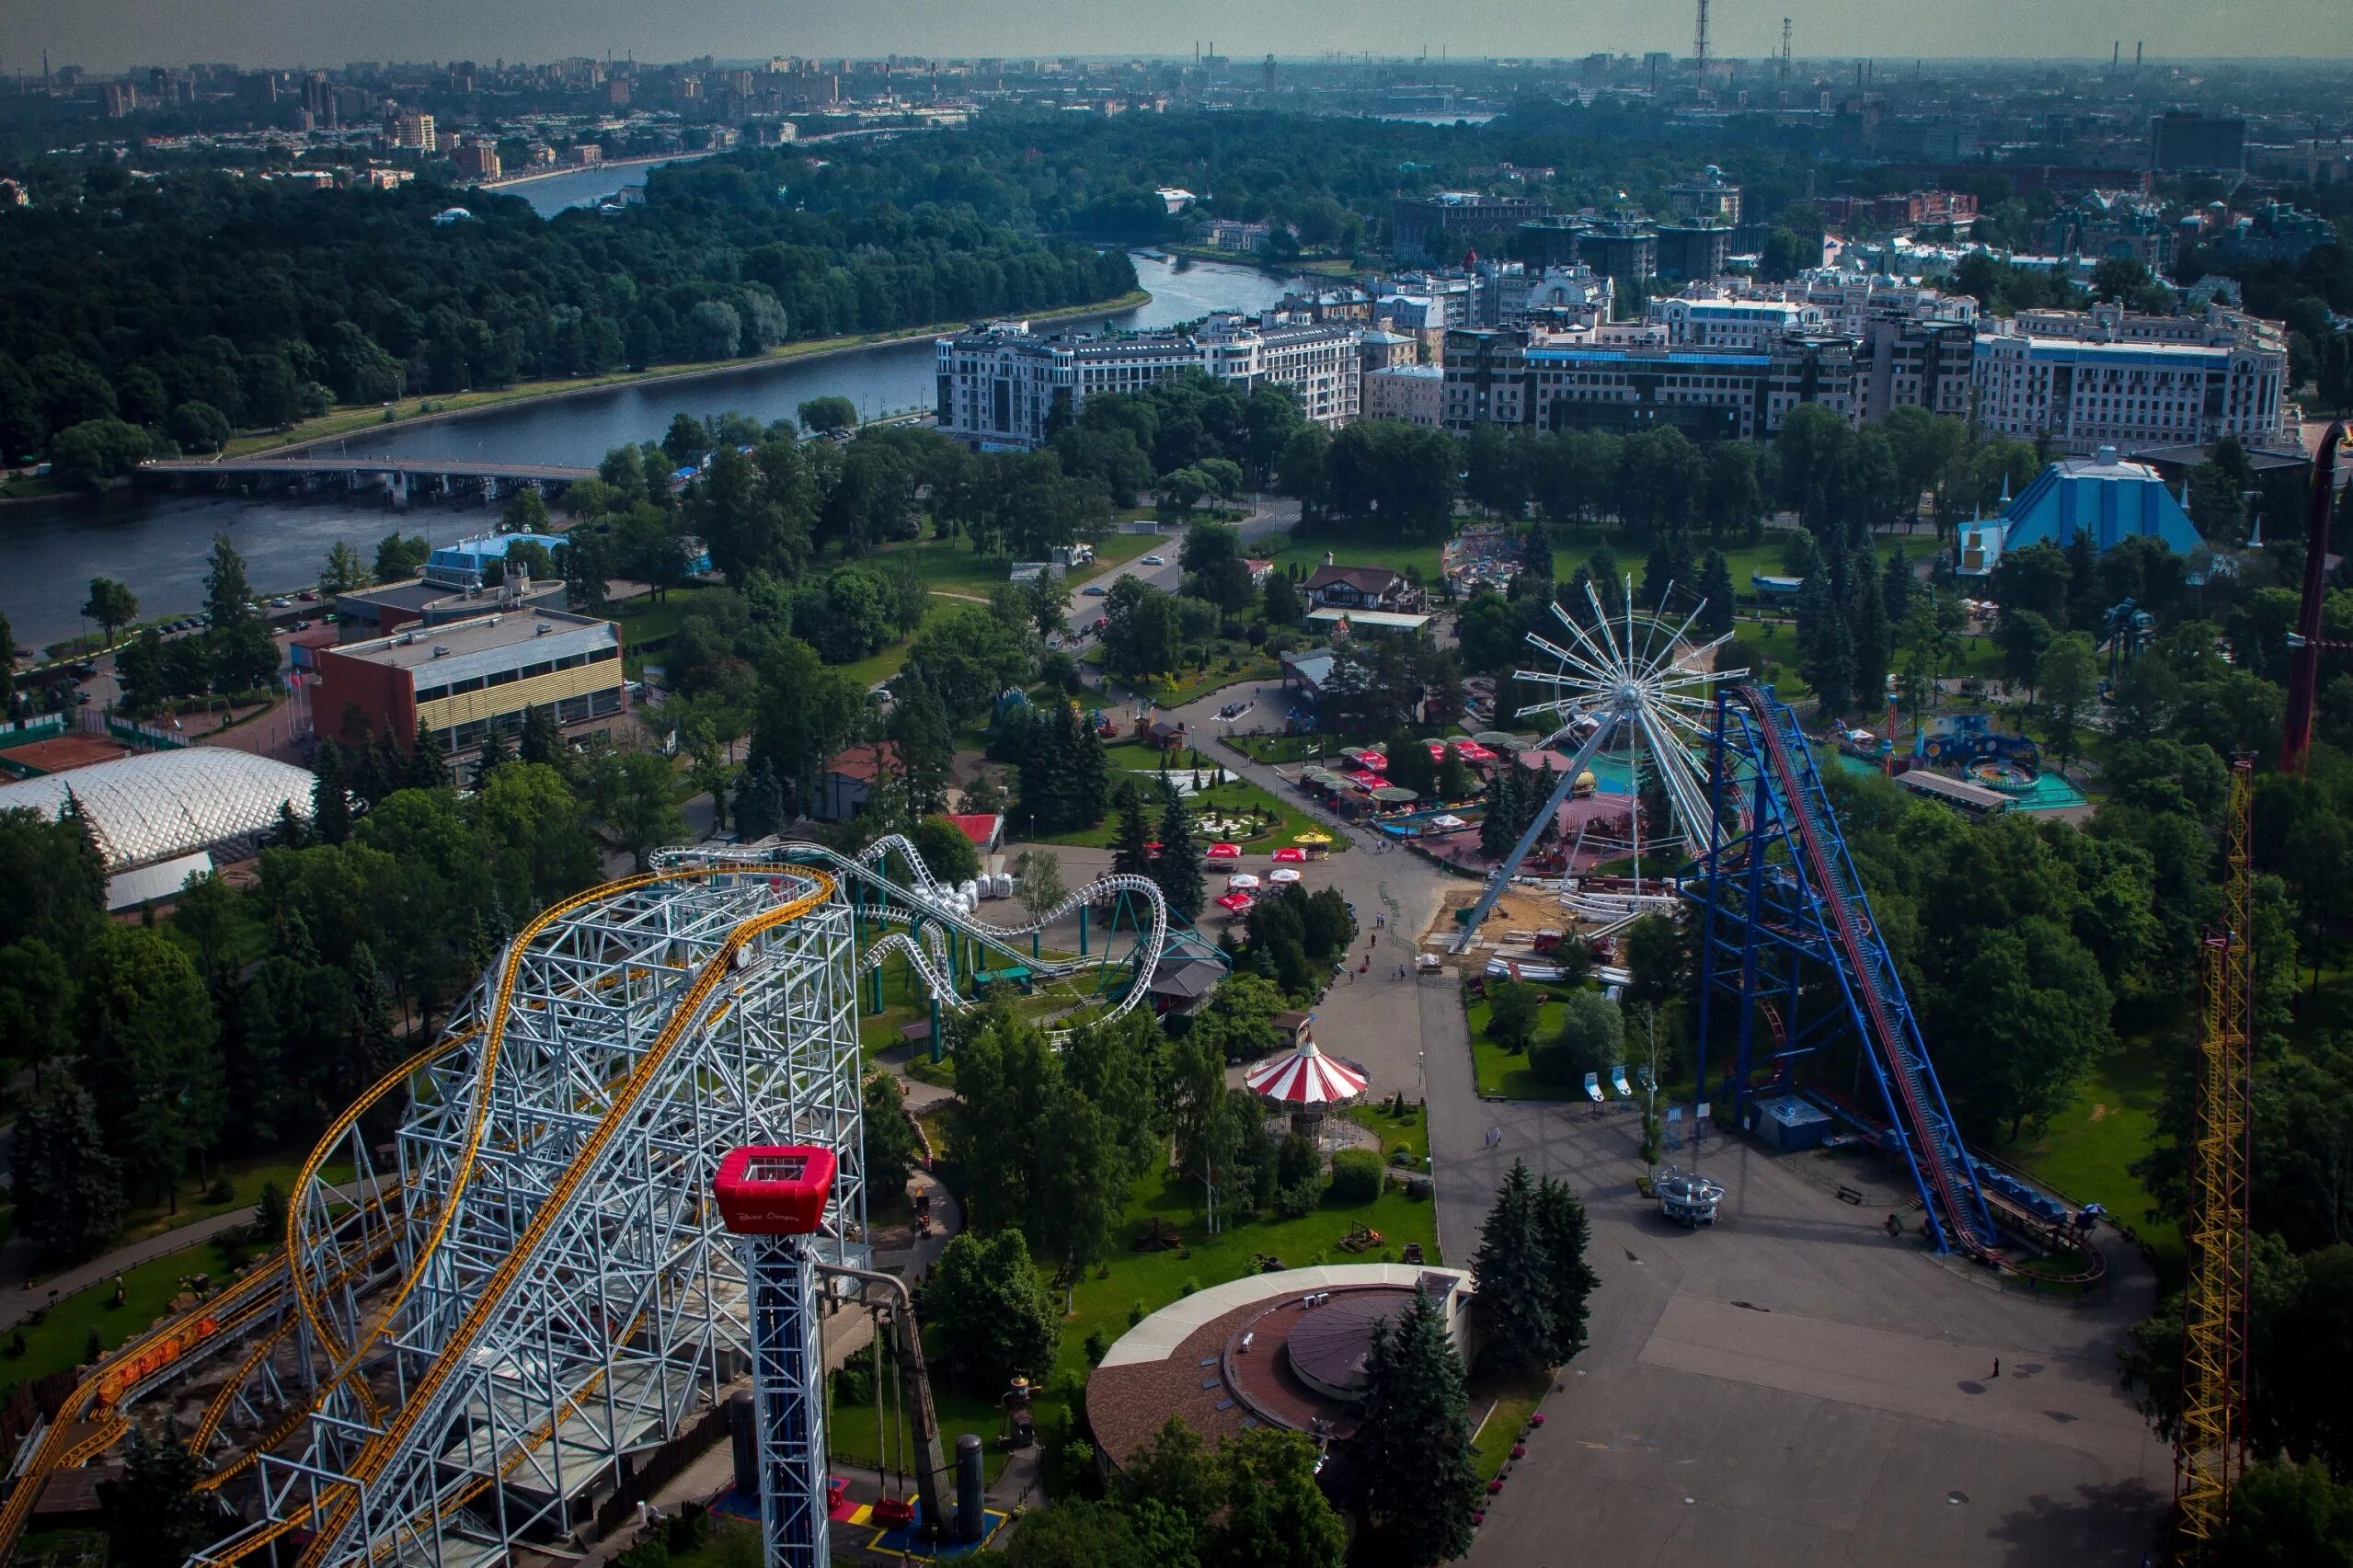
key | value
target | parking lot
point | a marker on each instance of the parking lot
(1794, 1387)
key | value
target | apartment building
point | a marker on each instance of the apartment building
(1633, 379)
(998, 385)
(2109, 377)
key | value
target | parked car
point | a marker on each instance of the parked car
(1154, 561)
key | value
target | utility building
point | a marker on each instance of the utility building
(459, 679)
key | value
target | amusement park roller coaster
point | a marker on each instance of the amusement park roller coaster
(529, 1281)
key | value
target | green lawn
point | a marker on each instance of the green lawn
(1508, 1403)
(1234, 797)
(2086, 1149)
(954, 565)
(57, 1342)
(643, 622)
(1419, 561)
(1507, 1074)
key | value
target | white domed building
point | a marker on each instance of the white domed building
(162, 816)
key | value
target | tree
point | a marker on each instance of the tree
(147, 1031)
(155, 1516)
(996, 1323)
(1079, 1532)
(947, 853)
(1039, 875)
(2067, 677)
(1591, 1038)
(68, 1190)
(111, 605)
(542, 742)
(226, 592)
(631, 799)
(825, 416)
(1275, 1515)
(344, 572)
(892, 1146)
(1654, 950)
(1177, 867)
(2285, 1514)
(1513, 1007)
(400, 556)
(1715, 617)
(91, 453)
(1563, 1233)
(1512, 1306)
(1410, 1477)
(2024, 635)
(523, 511)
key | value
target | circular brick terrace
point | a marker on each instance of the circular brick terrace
(1188, 1359)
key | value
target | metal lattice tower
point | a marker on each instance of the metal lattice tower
(2211, 1447)
(504, 1271)
(1632, 679)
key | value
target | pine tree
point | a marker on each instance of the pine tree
(1410, 1460)
(330, 795)
(1090, 780)
(387, 770)
(758, 804)
(1831, 669)
(1669, 565)
(290, 832)
(1896, 587)
(1177, 866)
(493, 755)
(1513, 1304)
(1715, 587)
(1129, 856)
(1536, 552)
(373, 1048)
(155, 1516)
(1815, 608)
(428, 762)
(543, 743)
(1866, 620)
(68, 1190)
(1563, 1233)
(1501, 829)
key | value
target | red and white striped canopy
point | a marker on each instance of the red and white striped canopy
(1307, 1077)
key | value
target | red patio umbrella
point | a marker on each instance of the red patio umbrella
(1226, 851)
(1290, 851)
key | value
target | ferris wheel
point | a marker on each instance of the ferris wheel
(1626, 684)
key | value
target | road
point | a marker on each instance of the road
(1269, 514)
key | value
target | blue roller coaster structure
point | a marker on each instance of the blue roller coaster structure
(1786, 937)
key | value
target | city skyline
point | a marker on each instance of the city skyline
(120, 34)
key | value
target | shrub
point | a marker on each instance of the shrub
(1297, 1161)
(1592, 1037)
(1356, 1175)
(1191, 1285)
(1098, 1346)
(1136, 1313)
(1297, 1200)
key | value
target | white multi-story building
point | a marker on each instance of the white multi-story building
(2107, 377)
(1415, 393)
(999, 384)
(1630, 379)
(1727, 321)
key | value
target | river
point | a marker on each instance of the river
(156, 544)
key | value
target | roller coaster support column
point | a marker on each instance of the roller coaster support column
(939, 1047)
(1081, 930)
(773, 1199)
(2304, 646)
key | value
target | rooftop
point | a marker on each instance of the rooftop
(152, 807)
(483, 634)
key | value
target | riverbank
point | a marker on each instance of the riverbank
(410, 412)
(510, 181)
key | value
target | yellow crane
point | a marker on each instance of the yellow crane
(2210, 1448)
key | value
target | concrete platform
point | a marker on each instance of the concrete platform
(1794, 1387)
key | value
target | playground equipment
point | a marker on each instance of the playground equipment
(1631, 678)
(528, 1283)
(1966, 742)
(1788, 938)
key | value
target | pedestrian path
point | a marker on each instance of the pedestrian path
(19, 1258)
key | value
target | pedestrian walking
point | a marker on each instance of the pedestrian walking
(1997, 1366)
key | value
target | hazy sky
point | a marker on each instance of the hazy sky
(109, 34)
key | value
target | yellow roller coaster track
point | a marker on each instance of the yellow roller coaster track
(714, 972)
(245, 1299)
